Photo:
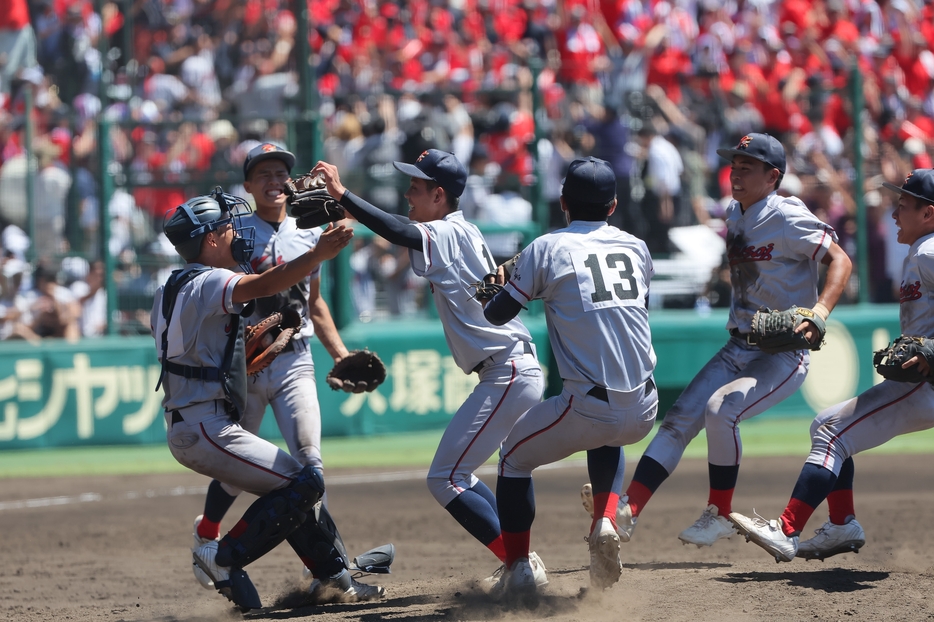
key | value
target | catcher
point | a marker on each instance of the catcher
(775, 246)
(197, 319)
(902, 403)
(282, 372)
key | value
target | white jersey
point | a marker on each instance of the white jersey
(594, 280)
(272, 247)
(454, 256)
(916, 295)
(198, 333)
(774, 249)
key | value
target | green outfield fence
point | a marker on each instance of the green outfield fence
(101, 391)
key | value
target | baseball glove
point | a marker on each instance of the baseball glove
(264, 340)
(359, 371)
(775, 330)
(309, 202)
(486, 288)
(888, 361)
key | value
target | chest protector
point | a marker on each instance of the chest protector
(232, 372)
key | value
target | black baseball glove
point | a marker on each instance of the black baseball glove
(486, 288)
(888, 361)
(309, 202)
(359, 371)
(775, 330)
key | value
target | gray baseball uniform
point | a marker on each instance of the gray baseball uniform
(890, 408)
(774, 249)
(594, 280)
(511, 380)
(201, 434)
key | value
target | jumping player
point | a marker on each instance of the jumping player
(197, 322)
(451, 253)
(774, 246)
(288, 384)
(594, 280)
(874, 417)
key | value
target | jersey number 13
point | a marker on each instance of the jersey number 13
(609, 279)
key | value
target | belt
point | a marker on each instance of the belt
(749, 338)
(601, 394)
(526, 349)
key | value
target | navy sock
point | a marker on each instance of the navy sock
(723, 477)
(604, 465)
(475, 514)
(515, 497)
(217, 502)
(814, 484)
(847, 472)
(650, 473)
(484, 491)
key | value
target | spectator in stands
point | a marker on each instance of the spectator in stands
(17, 44)
(15, 317)
(53, 308)
(91, 295)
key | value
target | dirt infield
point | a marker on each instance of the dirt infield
(121, 552)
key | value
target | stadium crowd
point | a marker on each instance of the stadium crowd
(654, 87)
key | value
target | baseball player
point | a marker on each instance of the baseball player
(451, 253)
(594, 280)
(877, 415)
(774, 247)
(288, 384)
(197, 322)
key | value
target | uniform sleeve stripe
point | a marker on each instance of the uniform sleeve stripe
(819, 246)
(226, 285)
(518, 289)
(427, 249)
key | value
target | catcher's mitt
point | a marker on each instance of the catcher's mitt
(265, 340)
(359, 371)
(309, 202)
(774, 331)
(888, 361)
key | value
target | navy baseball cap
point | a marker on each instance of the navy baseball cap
(440, 167)
(267, 151)
(919, 184)
(590, 180)
(762, 147)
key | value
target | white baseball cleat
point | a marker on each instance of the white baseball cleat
(831, 539)
(538, 571)
(767, 534)
(707, 529)
(343, 589)
(605, 565)
(203, 560)
(625, 521)
(522, 579)
(198, 542)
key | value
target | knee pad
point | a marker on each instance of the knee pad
(271, 519)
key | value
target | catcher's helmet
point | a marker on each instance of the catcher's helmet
(194, 218)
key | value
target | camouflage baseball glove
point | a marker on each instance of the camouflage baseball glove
(264, 340)
(309, 202)
(888, 361)
(359, 371)
(774, 331)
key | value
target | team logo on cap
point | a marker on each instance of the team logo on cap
(744, 142)
(267, 148)
(422, 157)
(909, 176)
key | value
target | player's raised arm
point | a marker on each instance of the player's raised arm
(394, 228)
(283, 276)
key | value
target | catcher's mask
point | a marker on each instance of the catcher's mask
(196, 217)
